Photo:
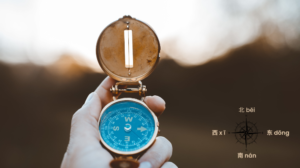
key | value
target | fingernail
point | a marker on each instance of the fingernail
(146, 98)
(160, 100)
(145, 165)
(89, 97)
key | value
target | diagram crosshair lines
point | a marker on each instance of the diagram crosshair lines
(246, 132)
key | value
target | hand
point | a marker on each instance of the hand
(84, 149)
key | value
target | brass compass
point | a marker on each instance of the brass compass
(128, 51)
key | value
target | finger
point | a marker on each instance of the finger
(156, 104)
(64, 162)
(169, 165)
(103, 90)
(89, 114)
(85, 120)
(84, 137)
(158, 154)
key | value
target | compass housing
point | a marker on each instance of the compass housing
(146, 110)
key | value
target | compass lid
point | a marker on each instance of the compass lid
(128, 50)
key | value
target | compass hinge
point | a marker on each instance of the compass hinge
(115, 90)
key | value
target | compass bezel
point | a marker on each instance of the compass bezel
(136, 151)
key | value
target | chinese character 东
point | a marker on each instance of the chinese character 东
(269, 132)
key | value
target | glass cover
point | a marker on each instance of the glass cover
(127, 126)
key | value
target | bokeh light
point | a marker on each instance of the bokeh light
(191, 32)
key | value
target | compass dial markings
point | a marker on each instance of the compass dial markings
(130, 140)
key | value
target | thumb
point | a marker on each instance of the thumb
(84, 147)
(84, 127)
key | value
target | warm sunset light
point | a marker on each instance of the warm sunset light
(191, 32)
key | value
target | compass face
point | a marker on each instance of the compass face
(127, 126)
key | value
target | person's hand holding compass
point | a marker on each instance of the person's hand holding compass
(84, 149)
(121, 133)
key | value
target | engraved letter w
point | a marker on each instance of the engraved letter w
(128, 118)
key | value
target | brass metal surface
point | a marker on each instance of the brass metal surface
(124, 162)
(110, 50)
(142, 90)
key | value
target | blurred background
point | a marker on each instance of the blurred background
(217, 56)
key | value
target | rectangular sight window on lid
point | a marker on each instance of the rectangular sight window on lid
(128, 49)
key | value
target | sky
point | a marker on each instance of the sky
(191, 32)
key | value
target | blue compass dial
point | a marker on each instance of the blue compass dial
(127, 126)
